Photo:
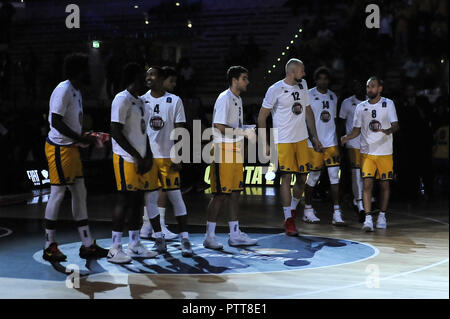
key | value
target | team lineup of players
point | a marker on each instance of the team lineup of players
(146, 177)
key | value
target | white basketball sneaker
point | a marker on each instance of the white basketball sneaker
(146, 230)
(368, 224)
(241, 239)
(117, 256)
(139, 250)
(337, 219)
(211, 242)
(309, 216)
(381, 221)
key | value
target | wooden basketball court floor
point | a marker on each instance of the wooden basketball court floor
(407, 260)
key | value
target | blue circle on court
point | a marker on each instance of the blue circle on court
(274, 253)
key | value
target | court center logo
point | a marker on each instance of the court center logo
(274, 253)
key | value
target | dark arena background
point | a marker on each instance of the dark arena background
(406, 46)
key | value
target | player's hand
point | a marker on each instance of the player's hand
(251, 135)
(317, 145)
(344, 140)
(87, 140)
(139, 163)
(176, 167)
(148, 164)
(385, 131)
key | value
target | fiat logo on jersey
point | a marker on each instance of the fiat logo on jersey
(156, 123)
(325, 116)
(375, 126)
(297, 108)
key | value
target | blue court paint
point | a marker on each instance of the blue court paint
(274, 253)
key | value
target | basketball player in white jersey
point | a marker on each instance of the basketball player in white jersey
(167, 114)
(169, 84)
(324, 105)
(376, 121)
(288, 101)
(63, 156)
(132, 159)
(346, 114)
(226, 171)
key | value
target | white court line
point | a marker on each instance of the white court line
(422, 217)
(362, 283)
(8, 232)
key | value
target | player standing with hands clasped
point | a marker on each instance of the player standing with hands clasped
(376, 121)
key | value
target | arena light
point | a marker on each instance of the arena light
(442, 61)
(292, 41)
(300, 30)
(146, 22)
(274, 66)
(287, 48)
(278, 59)
(283, 53)
(136, 6)
(269, 71)
(177, 4)
(189, 25)
(296, 36)
(96, 44)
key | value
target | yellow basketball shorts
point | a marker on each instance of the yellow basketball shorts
(127, 179)
(163, 173)
(377, 166)
(64, 163)
(355, 157)
(293, 157)
(227, 175)
(330, 157)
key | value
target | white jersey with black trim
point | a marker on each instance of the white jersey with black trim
(131, 112)
(324, 107)
(67, 102)
(166, 111)
(373, 117)
(288, 104)
(228, 111)
(347, 113)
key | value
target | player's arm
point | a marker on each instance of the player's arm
(311, 126)
(394, 128)
(58, 124)
(354, 133)
(119, 137)
(262, 123)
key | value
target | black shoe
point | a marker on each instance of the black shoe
(53, 254)
(361, 216)
(94, 251)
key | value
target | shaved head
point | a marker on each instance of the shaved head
(292, 64)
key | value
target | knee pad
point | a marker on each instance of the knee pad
(179, 208)
(333, 173)
(151, 204)
(313, 177)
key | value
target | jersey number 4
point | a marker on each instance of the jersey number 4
(326, 104)
(156, 110)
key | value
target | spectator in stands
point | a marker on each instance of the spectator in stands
(186, 76)
(385, 35)
(5, 75)
(412, 67)
(7, 12)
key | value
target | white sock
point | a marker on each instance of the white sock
(294, 203)
(162, 216)
(234, 228)
(308, 209)
(85, 235)
(133, 237)
(158, 234)
(381, 214)
(287, 212)
(359, 203)
(117, 238)
(336, 207)
(368, 218)
(210, 229)
(49, 237)
(184, 235)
